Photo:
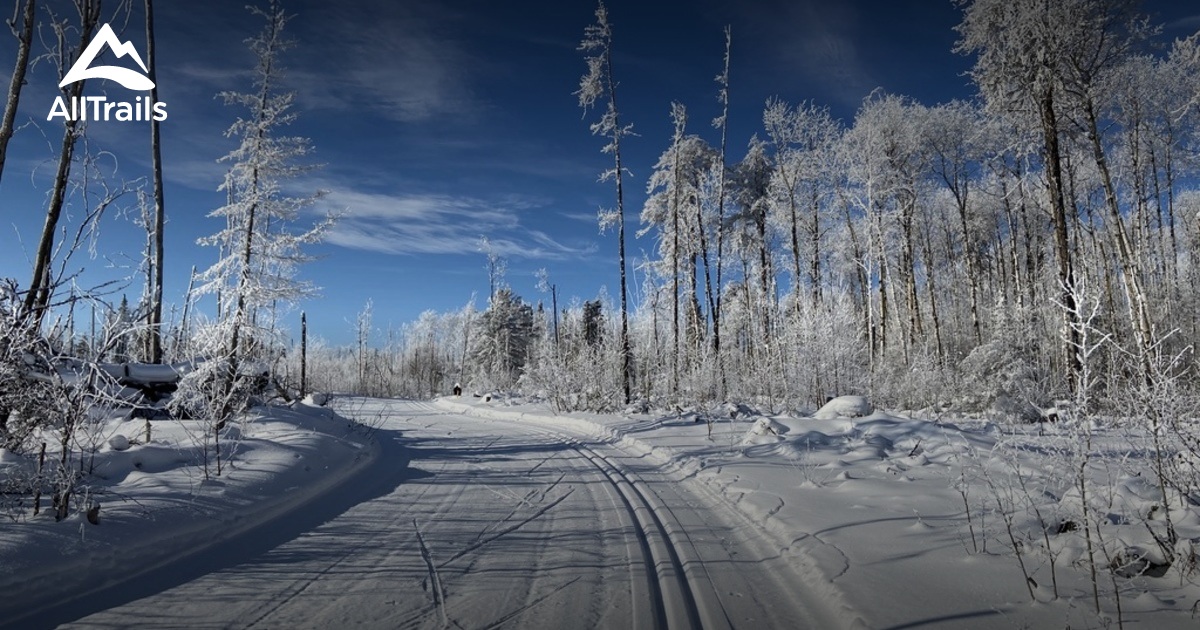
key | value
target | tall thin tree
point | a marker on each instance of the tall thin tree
(722, 123)
(598, 84)
(154, 313)
(260, 251)
(37, 299)
(23, 31)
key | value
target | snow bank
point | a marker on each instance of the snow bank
(156, 506)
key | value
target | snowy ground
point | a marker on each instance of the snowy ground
(486, 514)
(161, 522)
(871, 510)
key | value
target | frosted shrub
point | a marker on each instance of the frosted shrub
(1004, 374)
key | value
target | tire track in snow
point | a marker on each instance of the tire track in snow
(674, 596)
(435, 580)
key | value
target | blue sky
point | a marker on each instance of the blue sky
(440, 121)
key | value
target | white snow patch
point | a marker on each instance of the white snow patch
(845, 407)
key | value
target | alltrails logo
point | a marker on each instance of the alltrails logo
(99, 107)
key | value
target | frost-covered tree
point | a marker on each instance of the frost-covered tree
(750, 239)
(885, 165)
(803, 138)
(502, 339)
(260, 248)
(42, 283)
(1042, 62)
(593, 322)
(598, 85)
(959, 140)
(496, 265)
(680, 208)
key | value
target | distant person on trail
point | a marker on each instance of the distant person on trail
(457, 389)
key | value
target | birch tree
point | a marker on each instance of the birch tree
(1025, 49)
(957, 139)
(803, 139)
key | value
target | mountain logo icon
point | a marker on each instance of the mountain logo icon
(83, 69)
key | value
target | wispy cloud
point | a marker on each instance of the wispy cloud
(818, 39)
(583, 217)
(408, 66)
(415, 224)
(1189, 23)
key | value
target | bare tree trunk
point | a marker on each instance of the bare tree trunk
(794, 219)
(931, 292)
(1058, 210)
(38, 298)
(303, 355)
(156, 296)
(968, 247)
(814, 237)
(915, 326)
(864, 286)
(24, 37)
(680, 121)
(881, 260)
(1138, 311)
(618, 131)
(715, 302)
(764, 275)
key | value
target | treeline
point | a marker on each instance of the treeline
(1031, 246)
(1003, 253)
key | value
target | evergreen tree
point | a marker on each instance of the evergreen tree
(502, 340)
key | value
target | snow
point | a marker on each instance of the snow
(851, 517)
(156, 507)
(845, 407)
(872, 504)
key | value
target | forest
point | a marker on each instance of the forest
(1026, 255)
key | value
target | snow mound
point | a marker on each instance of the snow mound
(317, 400)
(845, 407)
(118, 442)
(765, 430)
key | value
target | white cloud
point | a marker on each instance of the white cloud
(413, 224)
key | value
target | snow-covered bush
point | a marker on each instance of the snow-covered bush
(581, 370)
(916, 384)
(1005, 374)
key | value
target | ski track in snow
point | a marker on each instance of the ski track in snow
(683, 529)
(480, 522)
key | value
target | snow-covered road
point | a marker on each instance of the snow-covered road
(478, 523)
